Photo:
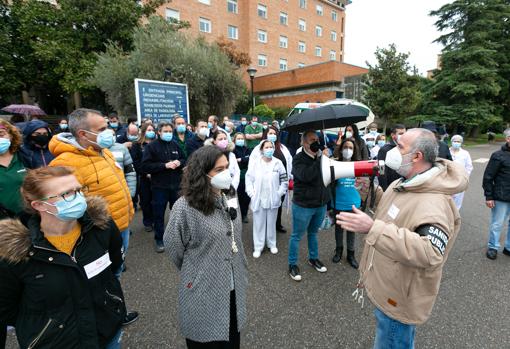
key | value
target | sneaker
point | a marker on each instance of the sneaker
(148, 228)
(245, 219)
(317, 264)
(294, 273)
(160, 247)
(256, 254)
(506, 251)
(492, 253)
(131, 317)
(273, 250)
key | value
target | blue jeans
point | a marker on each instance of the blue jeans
(125, 244)
(160, 198)
(115, 342)
(499, 214)
(392, 334)
(305, 220)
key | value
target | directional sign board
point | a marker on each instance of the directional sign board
(161, 100)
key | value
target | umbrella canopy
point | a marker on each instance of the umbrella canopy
(25, 109)
(328, 116)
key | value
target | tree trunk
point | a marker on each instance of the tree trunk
(77, 100)
(474, 132)
(26, 97)
(385, 125)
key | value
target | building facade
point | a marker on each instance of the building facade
(278, 35)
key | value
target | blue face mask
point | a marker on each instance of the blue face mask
(244, 123)
(167, 136)
(132, 138)
(268, 153)
(5, 144)
(150, 134)
(181, 128)
(114, 124)
(209, 125)
(69, 210)
(370, 144)
(456, 145)
(254, 123)
(227, 129)
(63, 126)
(272, 138)
(240, 142)
(104, 138)
(381, 143)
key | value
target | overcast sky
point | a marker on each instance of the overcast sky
(378, 23)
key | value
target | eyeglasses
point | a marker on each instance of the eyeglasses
(69, 195)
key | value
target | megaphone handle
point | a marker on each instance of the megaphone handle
(333, 187)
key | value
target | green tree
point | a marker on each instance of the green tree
(471, 87)
(392, 86)
(262, 110)
(214, 82)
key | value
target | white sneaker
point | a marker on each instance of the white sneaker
(256, 254)
(273, 250)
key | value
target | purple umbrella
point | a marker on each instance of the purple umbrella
(25, 109)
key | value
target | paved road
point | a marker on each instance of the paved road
(471, 311)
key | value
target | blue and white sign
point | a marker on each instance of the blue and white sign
(159, 100)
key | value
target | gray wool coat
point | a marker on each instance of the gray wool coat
(202, 251)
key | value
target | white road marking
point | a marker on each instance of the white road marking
(481, 160)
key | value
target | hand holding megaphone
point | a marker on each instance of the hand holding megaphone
(333, 170)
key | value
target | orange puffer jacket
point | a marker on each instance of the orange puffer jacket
(98, 172)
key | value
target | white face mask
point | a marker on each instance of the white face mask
(348, 134)
(203, 132)
(222, 180)
(347, 154)
(394, 161)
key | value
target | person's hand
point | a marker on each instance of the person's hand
(490, 203)
(128, 145)
(358, 221)
(177, 163)
(238, 159)
(170, 165)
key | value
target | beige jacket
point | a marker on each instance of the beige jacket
(400, 269)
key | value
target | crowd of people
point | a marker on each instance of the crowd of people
(69, 196)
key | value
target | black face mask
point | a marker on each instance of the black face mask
(41, 140)
(315, 147)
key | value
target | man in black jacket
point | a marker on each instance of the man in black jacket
(164, 160)
(308, 204)
(389, 174)
(197, 141)
(496, 187)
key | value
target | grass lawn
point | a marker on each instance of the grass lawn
(482, 139)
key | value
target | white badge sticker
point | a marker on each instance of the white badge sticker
(94, 268)
(232, 203)
(393, 211)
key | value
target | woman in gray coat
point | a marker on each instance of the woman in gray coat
(203, 238)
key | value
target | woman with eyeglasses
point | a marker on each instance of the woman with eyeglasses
(57, 282)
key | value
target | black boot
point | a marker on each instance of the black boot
(351, 259)
(338, 254)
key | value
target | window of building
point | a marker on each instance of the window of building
(302, 25)
(283, 64)
(232, 6)
(284, 18)
(172, 15)
(262, 36)
(302, 46)
(207, 2)
(334, 16)
(233, 32)
(262, 10)
(262, 60)
(332, 55)
(302, 3)
(318, 31)
(284, 41)
(333, 35)
(318, 51)
(204, 25)
(300, 65)
(319, 9)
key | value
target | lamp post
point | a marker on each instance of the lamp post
(251, 72)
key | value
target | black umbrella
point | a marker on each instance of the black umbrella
(329, 116)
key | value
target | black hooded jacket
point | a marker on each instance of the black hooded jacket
(496, 178)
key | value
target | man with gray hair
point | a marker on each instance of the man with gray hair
(408, 240)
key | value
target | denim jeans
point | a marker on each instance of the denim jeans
(305, 220)
(499, 215)
(125, 244)
(392, 334)
(116, 341)
(160, 198)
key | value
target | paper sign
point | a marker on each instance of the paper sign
(94, 268)
(393, 211)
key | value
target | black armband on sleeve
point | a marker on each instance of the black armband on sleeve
(129, 168)
(437, 237)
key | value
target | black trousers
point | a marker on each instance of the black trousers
(339, 236)
(235, 337)
(146, 200)
(244, 199)
(3, 335)
(279, 217)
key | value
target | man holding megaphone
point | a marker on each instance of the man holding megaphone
(408, 241)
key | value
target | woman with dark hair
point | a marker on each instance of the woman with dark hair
(62, 126)
(351, 131)
(346, 196)
(221, 140)
(203, 238)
